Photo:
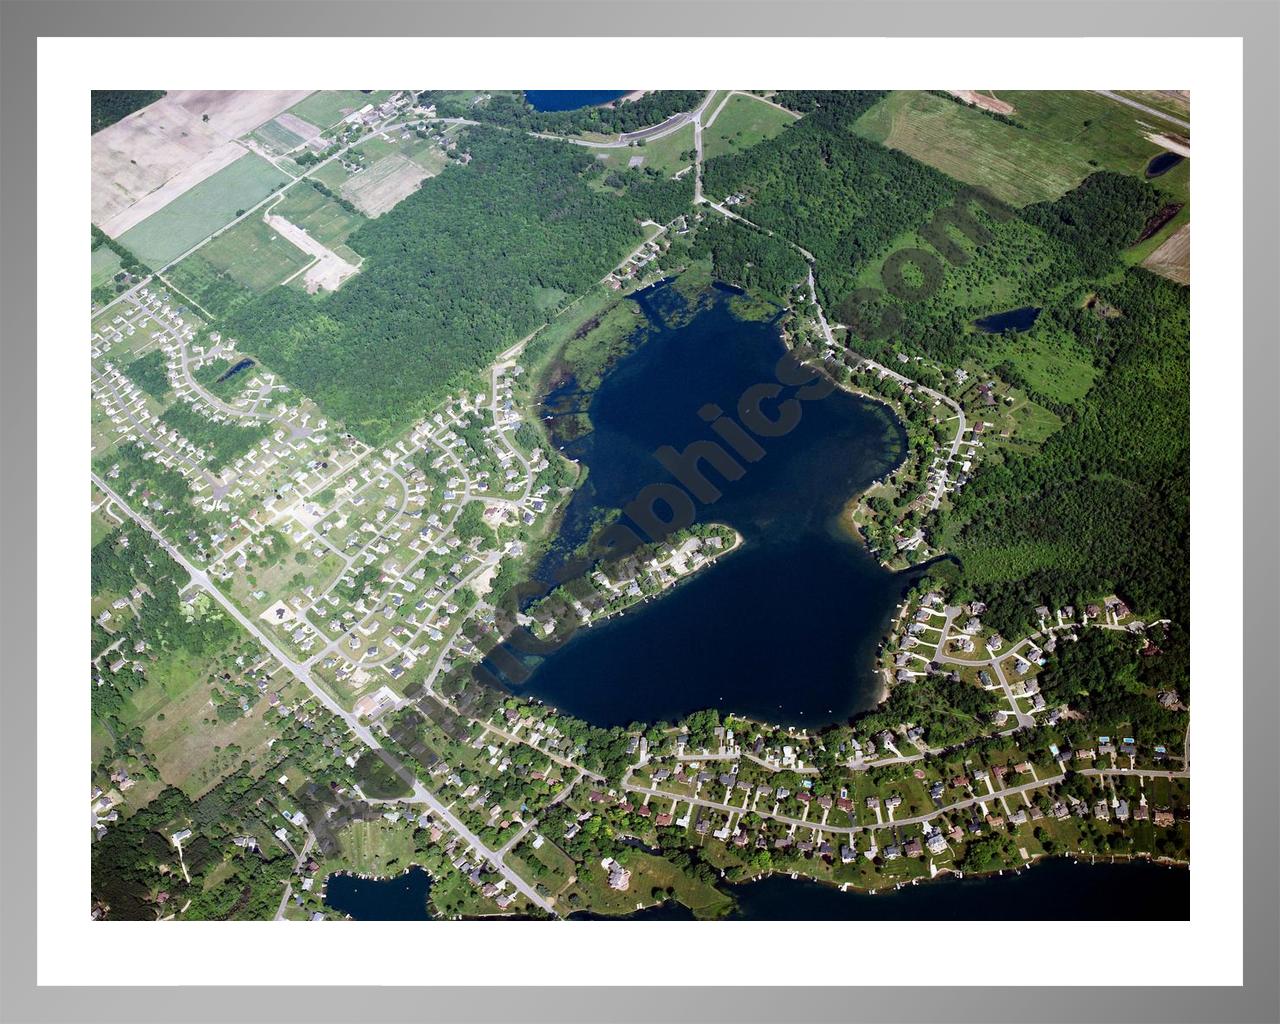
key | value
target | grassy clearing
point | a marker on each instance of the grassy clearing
(330, 106)
(667, 155)
(378, 847)
(744, 121)
(1065, 136)
(1053, 366)
(194, 749)
(104, 265)
(198, 213)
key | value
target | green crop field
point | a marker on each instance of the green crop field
(199, 212)
(255, 255)
(326, 221)
(331, 106)
(249, 258)
(1065, 137)
(742, 123)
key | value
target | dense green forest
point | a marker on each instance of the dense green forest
(837, 195)
(749, 259)
(510, 111)
(1102, 215)
(107, 106)
(1104, 505)
(451, 277)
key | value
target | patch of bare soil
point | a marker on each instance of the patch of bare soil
(985, 100)
(1173, 257)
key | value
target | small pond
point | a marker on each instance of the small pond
(1163, 162)
(1019, 319)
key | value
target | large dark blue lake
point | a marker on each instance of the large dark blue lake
(570, 99)
(1057, 890)
(786, 627)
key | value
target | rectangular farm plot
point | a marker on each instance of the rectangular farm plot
(1062, 139)
(275, 137)
(198, 213)
(255, 254)
(323, 219)
(376, 190)
(104, 265)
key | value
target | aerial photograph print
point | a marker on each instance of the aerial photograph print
(674, 505)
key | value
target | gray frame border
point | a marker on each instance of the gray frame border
(1256, 21)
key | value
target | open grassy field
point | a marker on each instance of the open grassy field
(1065, 136)
(104, 265)
(744, 121)
(648, 873)
(325, 220)
(199, 212)
(666, 155)
(1053, 365)
(194, 749)
(246, 260)
(377, 847)
(254, 255)
(332, 105)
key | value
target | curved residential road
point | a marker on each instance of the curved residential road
(848, 830)
(420, 792)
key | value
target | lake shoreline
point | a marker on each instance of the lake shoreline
(851, 440)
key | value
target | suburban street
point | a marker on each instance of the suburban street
(420, 792)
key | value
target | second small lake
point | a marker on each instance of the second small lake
(1014, 320)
